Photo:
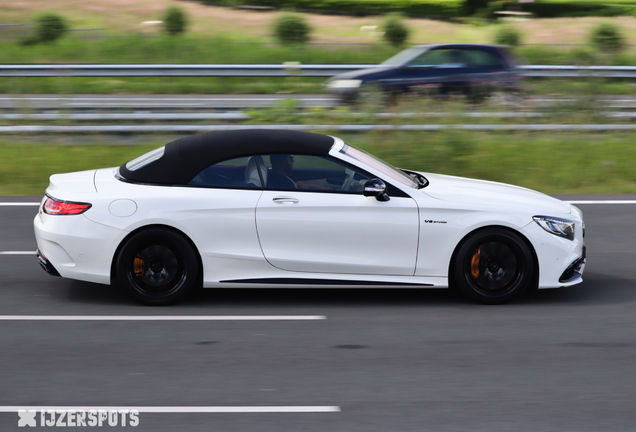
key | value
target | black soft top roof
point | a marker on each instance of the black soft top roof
(186, 157)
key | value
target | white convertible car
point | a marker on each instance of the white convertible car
(272, 208)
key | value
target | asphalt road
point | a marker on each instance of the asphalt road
(380, 360)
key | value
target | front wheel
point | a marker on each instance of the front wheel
(493, 266)
(157, 266)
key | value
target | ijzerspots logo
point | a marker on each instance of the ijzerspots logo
(78, 418)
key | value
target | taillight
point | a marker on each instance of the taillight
(55, 207)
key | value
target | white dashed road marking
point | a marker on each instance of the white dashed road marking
(19, 204)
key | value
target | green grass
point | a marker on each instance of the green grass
(177, 50)
(25, 165)
(202, 50)
(186, 49)
(549, 162)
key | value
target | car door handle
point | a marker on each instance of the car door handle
(285, 200)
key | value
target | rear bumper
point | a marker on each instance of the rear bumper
(46, 264)
(75, 247)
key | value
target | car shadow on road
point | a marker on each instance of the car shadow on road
(596, 289)
(85, 292)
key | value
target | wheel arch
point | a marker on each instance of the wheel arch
(535, 258)
(113, 265)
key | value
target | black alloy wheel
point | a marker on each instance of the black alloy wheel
(493, 266)
(157, 266)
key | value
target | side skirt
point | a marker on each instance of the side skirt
(324, 282)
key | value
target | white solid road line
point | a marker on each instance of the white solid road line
(161, 317)
(19, 204)
(180, 409)
(604, 202)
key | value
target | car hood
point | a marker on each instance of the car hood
(361, 73)
(492, 194)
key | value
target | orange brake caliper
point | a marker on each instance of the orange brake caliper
(138, 266)
(474, 264)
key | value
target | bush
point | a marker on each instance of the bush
(49, 27)
(395, 32)
(174, 21)
(607, 37)
(507, 35)
(291, 29)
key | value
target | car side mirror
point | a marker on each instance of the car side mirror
(376, 188)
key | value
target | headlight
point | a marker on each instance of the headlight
(344, 84)
(561, 227)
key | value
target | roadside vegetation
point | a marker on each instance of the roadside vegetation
(119, 31)
(194, 33)
(192, 49)
(551, 162)
(454, 8)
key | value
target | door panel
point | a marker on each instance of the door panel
(338, 233)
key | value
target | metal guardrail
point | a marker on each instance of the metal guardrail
(133, 129)
(175, 70)
(239, 115)
(555, 71)
(269, 70)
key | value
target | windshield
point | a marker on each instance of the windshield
(403, 57)
(379, 165)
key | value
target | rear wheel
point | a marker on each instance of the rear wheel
(157, 266)
(493, 266)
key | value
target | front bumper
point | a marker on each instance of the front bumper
(575, 270)
(561, 261)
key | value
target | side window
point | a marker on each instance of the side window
(432, 58)
(443, 58)
(240, 173)
(481, 58)
(311, 173)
